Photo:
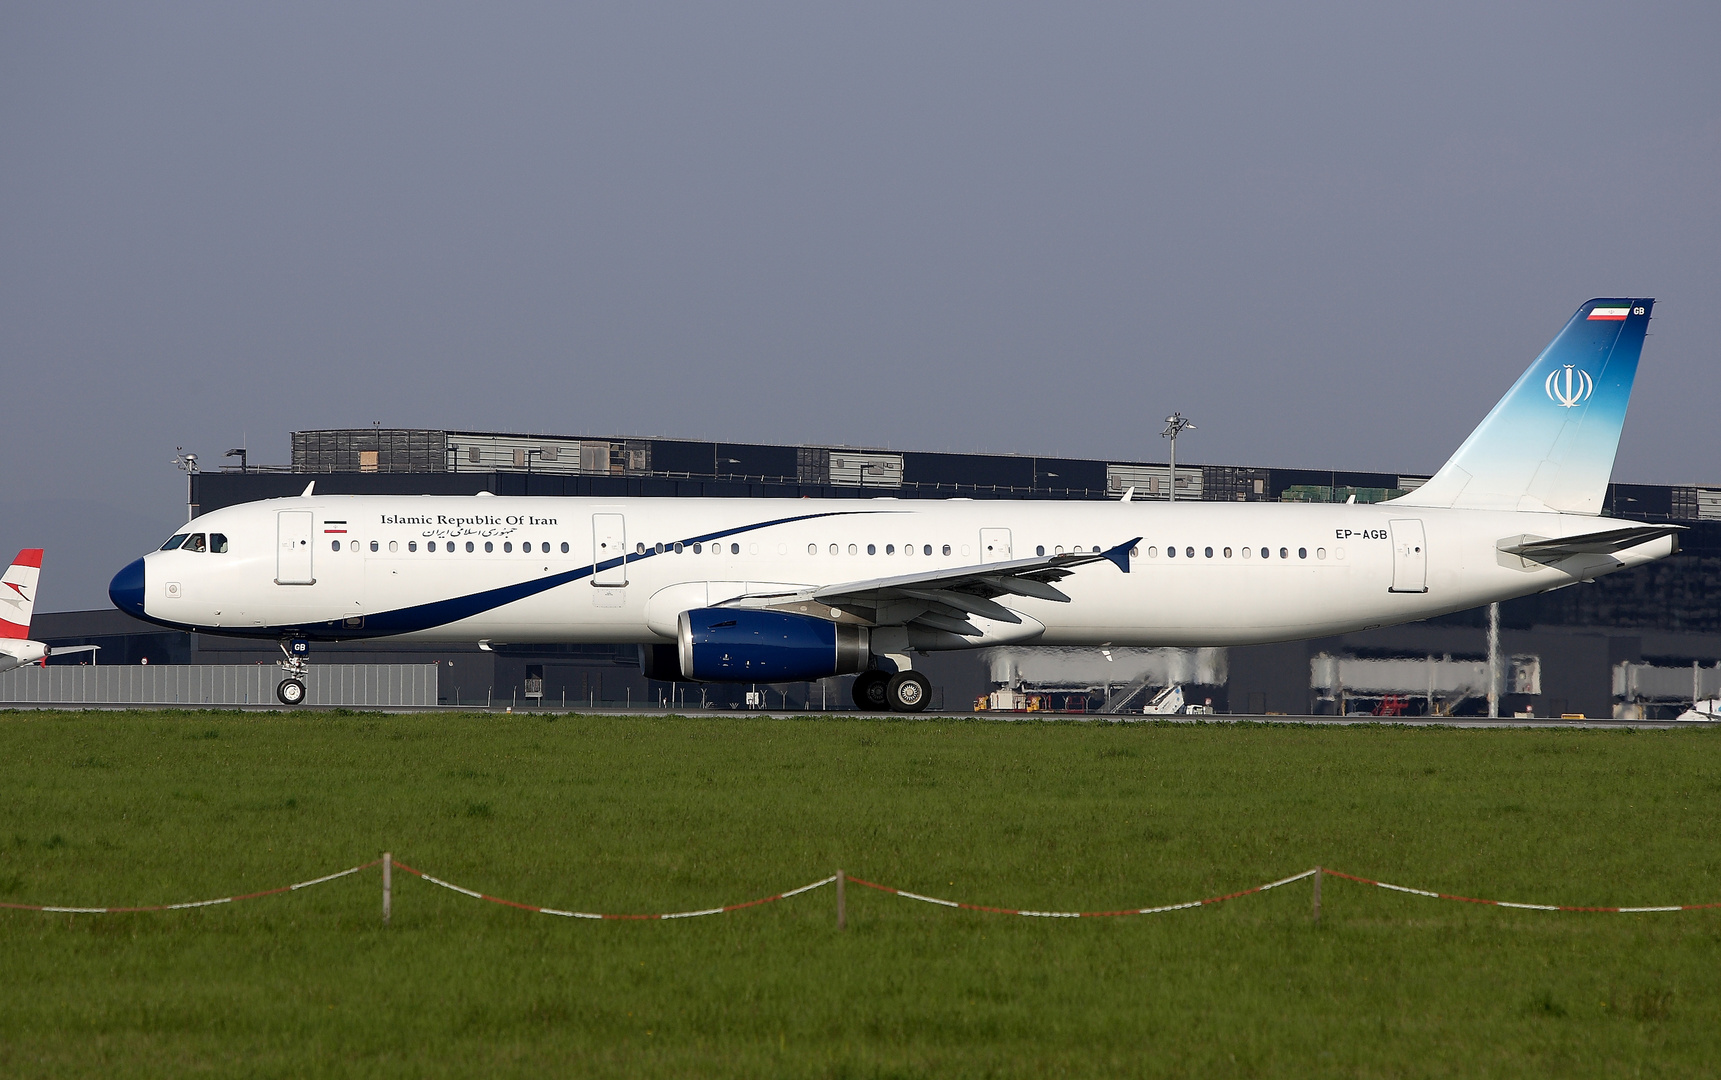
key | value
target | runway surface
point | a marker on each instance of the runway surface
(851, 714)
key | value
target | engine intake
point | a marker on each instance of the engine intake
(748, 645)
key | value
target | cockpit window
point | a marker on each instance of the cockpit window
(193, 543)
(173, 542)
(218, 543)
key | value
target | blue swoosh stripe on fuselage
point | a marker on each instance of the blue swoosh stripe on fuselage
(419, 617)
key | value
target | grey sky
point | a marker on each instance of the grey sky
(1333, 233)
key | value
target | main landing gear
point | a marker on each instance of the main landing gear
(291, 691)
(900, 691)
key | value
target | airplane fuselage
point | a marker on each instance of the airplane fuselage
(519, 570)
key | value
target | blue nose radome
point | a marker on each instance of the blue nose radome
(126, 589)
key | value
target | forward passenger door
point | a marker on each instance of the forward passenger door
(293, 548)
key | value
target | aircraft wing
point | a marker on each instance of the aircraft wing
(1597, 543)
(944, 599)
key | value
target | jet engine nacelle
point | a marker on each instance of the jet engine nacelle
(748, 645)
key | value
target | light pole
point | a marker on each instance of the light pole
(1175, 424)
(187, 463)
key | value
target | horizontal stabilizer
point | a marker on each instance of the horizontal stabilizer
(1596, 543)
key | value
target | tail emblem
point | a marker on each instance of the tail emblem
(1569, 387)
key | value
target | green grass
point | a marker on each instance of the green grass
(664, 814)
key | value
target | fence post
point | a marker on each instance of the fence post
(842, 907)
(387, 885)
(1317, 896)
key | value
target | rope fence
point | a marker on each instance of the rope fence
(840, 879)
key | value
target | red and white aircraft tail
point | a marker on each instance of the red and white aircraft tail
(17, 602)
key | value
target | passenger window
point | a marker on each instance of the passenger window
(412, 545)
(833, 549)
(352, 545)
(697, 548)
(734, 549)
(872, 549)
(1284, 553)
(194, 542)
(1302, 553)
(657, 549)
(812, 549)
(374, 546)
(1248, 552)
(678, 547)
(947, 549)
(1170, 552)
(889, 549)
(394, 545)
(1265, 554)
(1039, 549)
(565, 547)
(488, 546)
(1189, 553)
(1209, 552)
(1227, 553)
(1320, 553)
(927, 550)
(173, 542)
(334, 545)
(1135, 552)
(852, 549)
(470, 546)
(1059, 550)
(639, 549)
(1152, 552)
(218, 543)
(508, 545)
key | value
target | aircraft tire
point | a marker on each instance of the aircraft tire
(291, 692)
(908, 691)
(869, 691)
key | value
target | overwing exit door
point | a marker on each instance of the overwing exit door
(1409, 556)
(293, 548)
(994, 545)
(609, 550)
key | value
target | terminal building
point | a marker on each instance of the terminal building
(1640, 643)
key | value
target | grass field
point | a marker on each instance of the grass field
(656, 814)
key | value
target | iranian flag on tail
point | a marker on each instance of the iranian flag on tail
(1609, 312)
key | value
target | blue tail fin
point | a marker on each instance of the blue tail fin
(1550, 442)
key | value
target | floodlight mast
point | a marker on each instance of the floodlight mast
(1175, 424)
(186, 463)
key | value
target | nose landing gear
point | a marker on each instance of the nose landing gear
(291, 691)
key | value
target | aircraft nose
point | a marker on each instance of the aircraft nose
(126, 589)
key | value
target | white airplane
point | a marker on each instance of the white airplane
(774, 590)
(17, 602)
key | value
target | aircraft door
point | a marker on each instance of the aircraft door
(994, 545)
(293, 548)
(1409, 556)
(609, 550)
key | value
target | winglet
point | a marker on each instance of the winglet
(1120, 554)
